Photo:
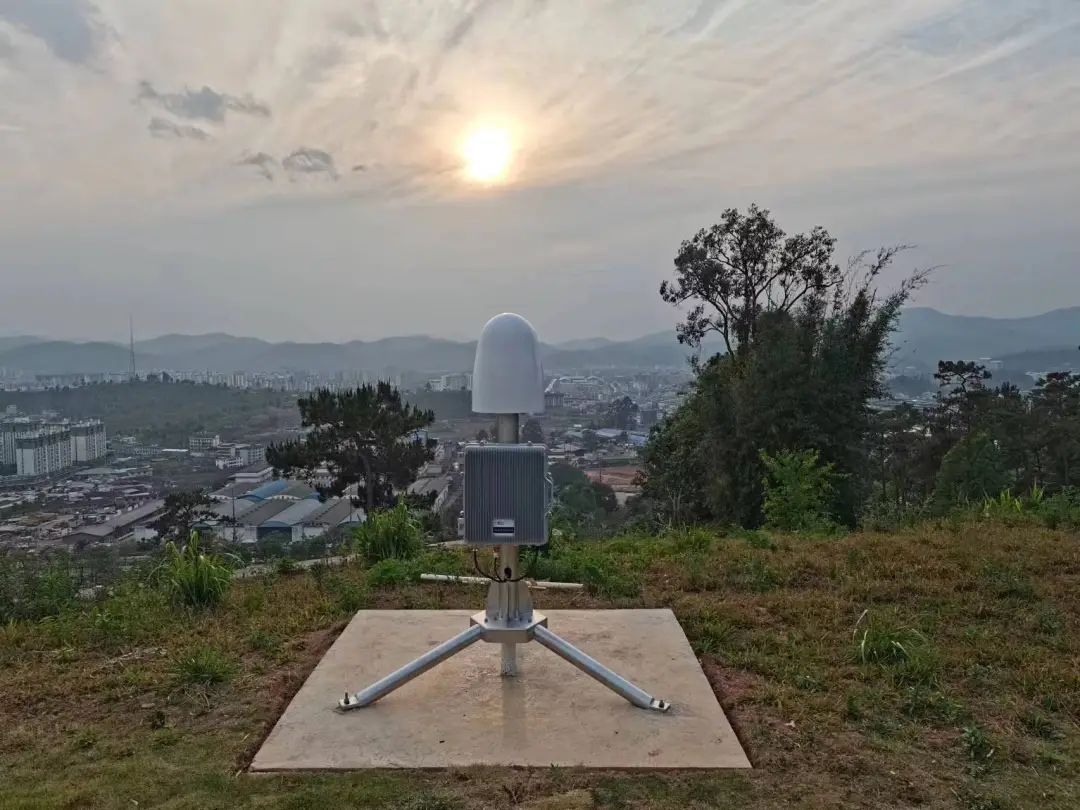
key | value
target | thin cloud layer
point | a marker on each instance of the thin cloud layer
(856, 111)
(790, 89)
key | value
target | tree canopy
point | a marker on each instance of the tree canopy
(183, 512)
(532, 431)
(365, 437)
(807, 345)
(621, 413)
(742, 267)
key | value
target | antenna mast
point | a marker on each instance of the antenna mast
(131, 332)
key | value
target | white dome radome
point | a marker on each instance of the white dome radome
(508, 376)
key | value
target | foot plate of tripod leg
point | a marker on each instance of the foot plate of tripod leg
(462, 713)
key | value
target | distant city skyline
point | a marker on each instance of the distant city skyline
(299, 175)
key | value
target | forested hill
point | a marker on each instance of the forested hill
(924, 336)
(165, 412)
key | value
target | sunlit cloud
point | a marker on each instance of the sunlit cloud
(791, 89)
(229, 129)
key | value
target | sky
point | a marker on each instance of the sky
(293, 170)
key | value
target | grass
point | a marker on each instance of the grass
(203, 666)
(959, 686)
(193, 577)
(389, 534)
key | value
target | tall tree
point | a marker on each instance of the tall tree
(1055, 407)
(364, 437)
(973, 468)
(532, 431)
(897, 437)
(621, 413)
(742, 267)
(589, 440)
(183, 512)
(809, 347)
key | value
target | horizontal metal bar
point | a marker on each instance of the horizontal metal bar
(537, 584)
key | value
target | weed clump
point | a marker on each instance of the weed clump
(389, 534)
(903, 650)
(192, 577)
(203, 666)
(390, 573)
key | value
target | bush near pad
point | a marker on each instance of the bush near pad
(389, 534)
(192, 577)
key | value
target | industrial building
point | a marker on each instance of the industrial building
(252, 510)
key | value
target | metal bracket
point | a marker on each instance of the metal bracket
(519, 632)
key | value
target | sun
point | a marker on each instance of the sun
(487, 152)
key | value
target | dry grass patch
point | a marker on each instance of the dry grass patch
(938, 667)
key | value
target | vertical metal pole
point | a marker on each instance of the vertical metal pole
(506, 432)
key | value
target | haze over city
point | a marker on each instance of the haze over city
(338, 170)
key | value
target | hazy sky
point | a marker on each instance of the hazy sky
(292, 169)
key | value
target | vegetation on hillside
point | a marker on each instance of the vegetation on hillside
(934, 667)
(807, 347)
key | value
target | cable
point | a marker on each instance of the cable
(482, 572)
(528, 570)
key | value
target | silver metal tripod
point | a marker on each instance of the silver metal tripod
(507, 619)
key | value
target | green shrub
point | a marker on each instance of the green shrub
(1061, 510)
(443, 561)
(35, 591)
(708, 632)
(921, 702)
(886, 515)
(693, 540)
(203, 666)
(284, 566)
(388, 534)
(130, 615)
(903, 650)
(756, 538)
(973, 469)
(757, 575)
(602, 579)
(193, 578)
(390, 573)
(1008, 582)
(798, 491)
(1039, 725)
(264, 641)
(349, 595)
(976, 744)
(554, 567)
(1006, 508)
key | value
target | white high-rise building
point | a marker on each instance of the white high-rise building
(43, 452)
(9, 429)
(87, 441)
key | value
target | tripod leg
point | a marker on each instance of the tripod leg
(594, 669)
(402, 676)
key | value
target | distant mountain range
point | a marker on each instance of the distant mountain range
(925, 336)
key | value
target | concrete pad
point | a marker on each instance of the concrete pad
(462, 713)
